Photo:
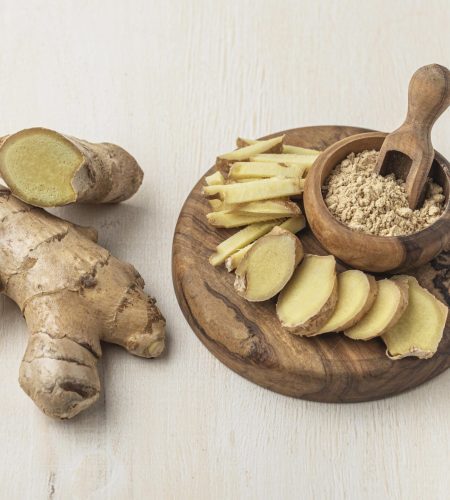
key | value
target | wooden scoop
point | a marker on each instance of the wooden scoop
(407, 152)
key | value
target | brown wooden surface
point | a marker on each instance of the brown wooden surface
(247, 337)
(365, 251)
(408, 151)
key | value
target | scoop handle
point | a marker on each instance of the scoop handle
(428, 96)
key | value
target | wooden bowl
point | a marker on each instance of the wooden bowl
(365, 251)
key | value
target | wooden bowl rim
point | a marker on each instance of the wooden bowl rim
(321, 161)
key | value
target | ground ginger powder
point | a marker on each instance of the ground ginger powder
(370, 203)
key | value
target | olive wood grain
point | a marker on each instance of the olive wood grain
(407, 152)
(247, 337)
(365, 251)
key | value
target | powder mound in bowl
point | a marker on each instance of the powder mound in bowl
(373, 204)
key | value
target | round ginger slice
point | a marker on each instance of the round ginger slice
(356, 294)
(309, 299)
(420, 329)
(390, 303)
(268, 265)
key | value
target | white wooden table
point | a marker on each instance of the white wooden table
(175, 82)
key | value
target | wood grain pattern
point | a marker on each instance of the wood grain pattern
(408, 151)
(247, 336)
(366, 251)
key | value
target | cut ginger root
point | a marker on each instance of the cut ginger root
(249, 213)
(240, 239)
(281, 207)
(308, 300)
(388, 307)
(236, 219)
(262, 189)
(73, 294)
(46, 169)
(356, 294)
(287, 148)
(293, 224)
(259, 170)
(420, 328)
(268, 265)
(225, 161)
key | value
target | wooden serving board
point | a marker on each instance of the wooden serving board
(248, 338)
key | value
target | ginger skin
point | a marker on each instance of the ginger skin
(46, 169)
(73, 294)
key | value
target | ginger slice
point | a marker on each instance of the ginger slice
(294, 225)
(309, 299)
(278, 206)
(236, 219)
(47, 169)
(258, 170)
(241, 239)
(390, 303)
(356, 294)
(270, 145)
(287, 148)
(419, 330)
(304, 160)
(268, 265)
(264, 189)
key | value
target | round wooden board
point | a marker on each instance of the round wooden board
(247, 337)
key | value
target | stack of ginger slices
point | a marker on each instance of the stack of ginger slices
(256, 186)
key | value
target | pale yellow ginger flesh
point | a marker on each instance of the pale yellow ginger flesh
(419, 330)
(240, 239)
(294, 159)
(268, 265)
(244, 153)
(283, 207)
(238, 219)
(309, 299)
(39, 167)
(241, 142)
(388, 307)
(263, 189)
(73, 294)
(214, 179)
(299, 151)
(356, 294)
(46, 169)
(217, 205)
(258, 170)
(294, 225)
(235, 259)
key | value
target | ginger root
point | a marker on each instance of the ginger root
(240, 239)
(73, 294)
(224, 161)
(263, 189)
(293, 159)
(390, 303)
(282, 207)
(293, 224)
(287, 148)
(419, 330)
(268, 265)
(308, 300)
(356, 294)
(46, 169)
(229, 219)
(259, 170)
